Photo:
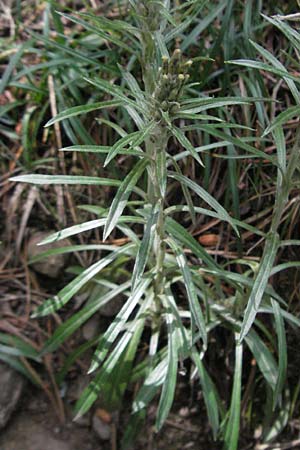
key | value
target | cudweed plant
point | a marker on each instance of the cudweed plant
(164, 106)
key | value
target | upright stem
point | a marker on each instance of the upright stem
(155, 145)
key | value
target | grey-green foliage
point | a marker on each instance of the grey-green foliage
(164, 107)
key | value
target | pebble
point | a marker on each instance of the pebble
(102, 429)
(91, 328)
(12, 384)
(52, 265)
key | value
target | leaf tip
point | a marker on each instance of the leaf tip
(49, 123)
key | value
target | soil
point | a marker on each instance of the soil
(35, 426)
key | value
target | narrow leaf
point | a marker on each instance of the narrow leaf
(260, 283)
(145, 247)
(209, 393)
(168, 389)
(183, 140)
(282, 118)
(66, 329)
(53, 304)
(117, 325)
(263, 66)
(233, 425)
(122, 196)
(202, 193)
(282, 351)
(82, 109)
(65, 179)
(190, 289)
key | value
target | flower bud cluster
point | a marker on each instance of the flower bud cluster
(171, 79)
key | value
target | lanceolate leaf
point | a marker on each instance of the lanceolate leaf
(282, 118)
(168, 389)
(117, 325)
(194, 106)
(93, 390)
(190, 289)
(202, 193)
(282, 351)
(86, 226)
(291, 33)
(151, 385)
(239, 143)
(116, 91)
(186, 193)
(209, 393)
(122, 195)
(276, 63)
(170, 301)
(99, 149)
(65, 179)
(260, 283)
(263, 66)
(112, 24)
(97, 30)
(161, 44)
(53, 304)
(181, 235)
(183, 140)
(67, 328)
(70, 249)
(82, 109)
(264, 358)
(133, 140)
(161, 170)
(129, 139)
(133, 85)
(233, 425)
(145, 247)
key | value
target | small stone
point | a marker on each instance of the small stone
(91, 328)
(102, 429)
(52, 265)
(258, 432)
(112, 307)
(184, 412)
(12, 384)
